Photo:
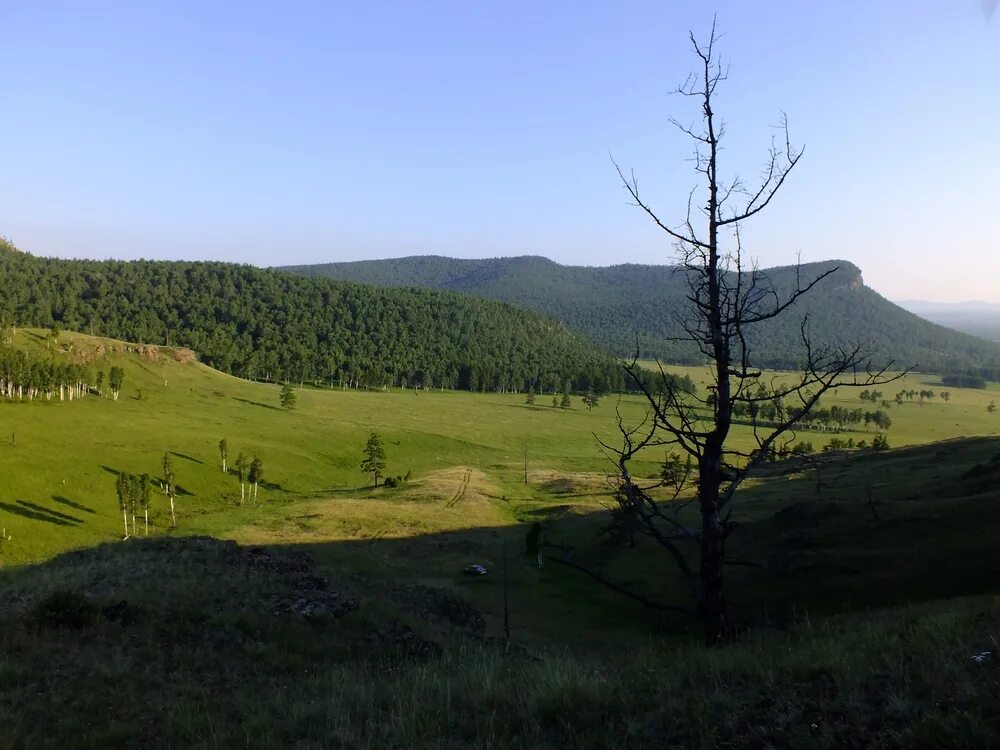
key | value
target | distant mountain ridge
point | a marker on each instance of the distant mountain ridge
(622, 305)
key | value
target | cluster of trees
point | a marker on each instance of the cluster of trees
(116, 378)
(840, 418)
(768, 408)
(972, 377)
(922, 395)
(879, 443)
(642, 380)
(24, 376)
(133, 491)
(247, 470)
(282, 327)
(615, 305)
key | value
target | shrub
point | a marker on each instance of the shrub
(64, 608)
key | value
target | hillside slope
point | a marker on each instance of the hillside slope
(615, 305)
(268, 325)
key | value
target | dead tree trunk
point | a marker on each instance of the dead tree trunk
(727, 297)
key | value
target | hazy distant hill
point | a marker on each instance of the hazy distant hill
(978, 318)
(615, 305)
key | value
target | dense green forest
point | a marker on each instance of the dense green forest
(274, 326)
(617, 306)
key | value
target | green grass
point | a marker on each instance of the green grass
(851, 643)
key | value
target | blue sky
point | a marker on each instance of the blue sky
(275, 133)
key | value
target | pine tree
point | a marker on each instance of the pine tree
(374, 456)
(288, 398)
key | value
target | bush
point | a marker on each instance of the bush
(802, 448)
(392, 481)
(835, 444)
(880, 443)
(64, 608)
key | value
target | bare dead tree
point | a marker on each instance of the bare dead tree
(727, 297)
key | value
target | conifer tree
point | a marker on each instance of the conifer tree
(374, 457)
(288, 398)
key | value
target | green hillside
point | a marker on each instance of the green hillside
(615, 304)
(199, 642)
(273, 326)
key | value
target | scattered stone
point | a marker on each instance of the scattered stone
(119, 612)
(404, 640)
(436, 605)
(310, 604)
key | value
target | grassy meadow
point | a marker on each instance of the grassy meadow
(465, 453)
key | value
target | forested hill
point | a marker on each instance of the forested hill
(264, 324)
(613, 305)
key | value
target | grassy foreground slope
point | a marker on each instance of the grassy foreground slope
(200, 659)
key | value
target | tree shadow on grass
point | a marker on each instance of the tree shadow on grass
(70, 503)
(273, 487)
(37, 512)
(186, 457)
(255, 403)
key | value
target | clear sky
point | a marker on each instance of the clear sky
(274, 133)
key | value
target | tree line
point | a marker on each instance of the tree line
(25, 376)
(279, 327)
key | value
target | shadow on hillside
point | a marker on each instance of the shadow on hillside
(36, 512)
(255, 403)
(72, 504)
(931, 536)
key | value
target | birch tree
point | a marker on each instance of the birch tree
(169, 487)
(242, 463)
(256, 474)
(122, 490)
